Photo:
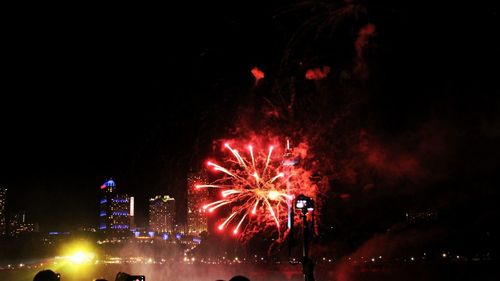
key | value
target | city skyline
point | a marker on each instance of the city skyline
(390, 108)
(106, 189)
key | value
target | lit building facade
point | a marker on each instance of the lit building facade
(197, 220)
(3, 221)
(19, 225)
(132, 212)
(162, 214)
(114, 211)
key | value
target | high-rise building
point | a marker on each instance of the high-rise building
(197, 220)
(3, 221)
(132, 212)
(19, 225)
(114, 211)
(287, 164)
(162, 214)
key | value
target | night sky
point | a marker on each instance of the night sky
(138, 94)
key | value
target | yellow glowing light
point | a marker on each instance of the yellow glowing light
(81, 257)
(78, 257)
(78, 253)
(273, 195)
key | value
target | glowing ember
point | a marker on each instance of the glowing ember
(258, 74)
(317, 73)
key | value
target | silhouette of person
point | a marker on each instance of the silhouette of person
(47, 275)
(239, 278)
(121, 276)
(308, 269)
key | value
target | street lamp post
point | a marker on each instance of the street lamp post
(306, 205)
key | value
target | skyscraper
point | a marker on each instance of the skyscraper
(162, 213)
(289, 161)
(19, 225)
(132, 212)
(114, 214)
(3, 222)
(197, 220)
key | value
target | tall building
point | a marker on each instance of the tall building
(3, 221)
(197, 220)
(287, 166)
(162, 214)
(114, 211)
(132, 212)
(19, 225)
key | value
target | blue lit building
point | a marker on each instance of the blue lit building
(114, 211)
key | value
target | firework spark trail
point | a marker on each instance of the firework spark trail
(237, 155)
(254, 210)
(217, 205)
(222, 225)
(209, 185)
(271, 148)
(250, 148)
(272, 213)
(219, 168)
(235, 231)
(280, 175)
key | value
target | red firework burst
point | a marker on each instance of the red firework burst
(257, 185)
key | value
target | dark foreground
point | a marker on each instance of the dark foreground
(180, 272)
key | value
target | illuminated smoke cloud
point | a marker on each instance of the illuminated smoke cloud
(365, 33)
(386, 247)
(317, 73)
(301, 150)
(258, 74)
(345, 196)
(272, 113)
(390, 161)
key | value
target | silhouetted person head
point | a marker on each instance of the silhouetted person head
(47, 275)
(121, 276)
(239, 278)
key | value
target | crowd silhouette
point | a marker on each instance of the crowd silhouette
(49, 275)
